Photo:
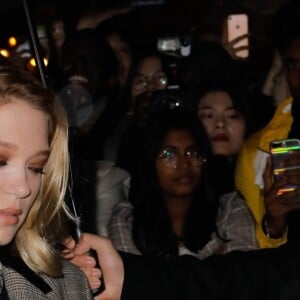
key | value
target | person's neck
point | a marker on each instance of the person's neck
(177, 208)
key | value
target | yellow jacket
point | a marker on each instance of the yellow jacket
(251, 164)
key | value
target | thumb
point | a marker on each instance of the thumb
(268, 176)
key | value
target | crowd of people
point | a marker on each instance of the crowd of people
(161, 158)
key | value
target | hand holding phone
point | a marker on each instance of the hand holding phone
(281, 186)
(237, 35)
(286, 158)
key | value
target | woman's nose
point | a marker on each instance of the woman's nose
(183, 162)
(151, 86)
(220, 122)
(19, 185)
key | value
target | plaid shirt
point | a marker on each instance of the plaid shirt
(73, 285)
(235, 224)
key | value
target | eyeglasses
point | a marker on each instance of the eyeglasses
(141, 82)
(170, 156)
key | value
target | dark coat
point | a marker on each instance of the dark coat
(262, 274)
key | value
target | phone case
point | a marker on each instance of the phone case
(280, 150)
(237, 25)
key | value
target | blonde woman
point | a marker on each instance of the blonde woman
(34, 164)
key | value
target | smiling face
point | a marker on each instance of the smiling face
(182, 180)
(24, 151)
(224, 124)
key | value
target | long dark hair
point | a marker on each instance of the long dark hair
(152, 231)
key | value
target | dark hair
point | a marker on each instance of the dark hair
(86, 47)
(208, 61)
(286, 25)
(152, 231)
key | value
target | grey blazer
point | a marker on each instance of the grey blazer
(73, 285)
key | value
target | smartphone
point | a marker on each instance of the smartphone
(280, 151)
(237, 25)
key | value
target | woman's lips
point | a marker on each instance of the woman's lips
(184, 179)
(220, 138)
(10, 216)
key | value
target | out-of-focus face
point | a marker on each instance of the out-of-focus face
(292, 67)
(150, 77)
(24, 150)
(224, 124)
(178, 164)
(57, 31)
(123, 54)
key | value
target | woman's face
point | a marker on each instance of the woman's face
(24, 150)
(150, 77)
(178, 164)
(224, 124)
(58, 33)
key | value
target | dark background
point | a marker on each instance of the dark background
(173, 17)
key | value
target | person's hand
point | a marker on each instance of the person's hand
(233, 48)
(92, 20)
(277, 205)
(110, 262)
(85, 262)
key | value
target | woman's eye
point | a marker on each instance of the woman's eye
(235, 115)
(37, 170)
(206, 116)
(139, 81)
(168, 154)
(3, 163)
(193, 154)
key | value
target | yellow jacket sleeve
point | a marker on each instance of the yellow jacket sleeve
(245, 173)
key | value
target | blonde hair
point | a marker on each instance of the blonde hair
(37, 238)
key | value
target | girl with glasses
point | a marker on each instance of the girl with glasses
(172, 208)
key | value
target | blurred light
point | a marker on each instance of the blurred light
(32, 62)
(4, 52)
(12, 41)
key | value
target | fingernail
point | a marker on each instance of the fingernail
(89, 261)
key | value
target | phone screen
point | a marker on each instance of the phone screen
(280, 152)
(237, 25)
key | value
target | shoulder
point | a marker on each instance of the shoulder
(109, 175)
(73, 283)
(232, 200)
(233, 206)
(122, 210)
(105, 168)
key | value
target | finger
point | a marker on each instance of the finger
(84, 261)
(69, 243)
(93, 274)
(239, 38)
(241, 48)
(268, 176)
(293, 159)
(68, 255)
(85, 244)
